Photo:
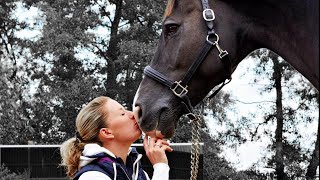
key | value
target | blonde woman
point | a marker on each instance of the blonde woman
(102, 150)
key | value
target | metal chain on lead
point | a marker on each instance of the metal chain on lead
(195, 148)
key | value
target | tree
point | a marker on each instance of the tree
(309, 98)
(293, 156)
(314, 160)
(284, 114)
(61, 70)
(13, 82)
(135, 51)
(54, 69)
(59, 97)
(279, 117)
(6, 174)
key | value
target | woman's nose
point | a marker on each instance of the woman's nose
(131, 115)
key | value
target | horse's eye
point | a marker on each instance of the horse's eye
(171, 29)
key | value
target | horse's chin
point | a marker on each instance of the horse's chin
(155, 134)
(164, 130)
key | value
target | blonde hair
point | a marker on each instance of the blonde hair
(89, 121)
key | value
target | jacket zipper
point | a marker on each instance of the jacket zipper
(125, 172)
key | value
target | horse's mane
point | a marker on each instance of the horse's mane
(169, 9)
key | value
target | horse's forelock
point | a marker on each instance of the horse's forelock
(170, 7)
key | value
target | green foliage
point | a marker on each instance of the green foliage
(215, 166)
(63, 79)
(12, 80)
(290, 89)
(293, 158)
(6, 174)
(65, 27)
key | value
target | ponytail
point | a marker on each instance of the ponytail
(70, 152)
(89, 121)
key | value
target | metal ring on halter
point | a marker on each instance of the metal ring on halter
(215, 42)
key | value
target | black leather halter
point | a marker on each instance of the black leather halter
(179, 88)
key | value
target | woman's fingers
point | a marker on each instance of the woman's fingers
(163, 145)
(145, 142)
(150, 143)
(166, 148)
(158, 143)
(164, 142)
(155, 150)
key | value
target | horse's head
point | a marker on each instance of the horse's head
(183, 38)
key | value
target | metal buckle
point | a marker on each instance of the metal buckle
(178, 86)
(207, 16)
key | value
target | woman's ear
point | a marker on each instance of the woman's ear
(105, 133)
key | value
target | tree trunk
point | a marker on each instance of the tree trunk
(314, 161)
(279, 115)
(113, 52)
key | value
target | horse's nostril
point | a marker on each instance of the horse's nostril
(138, 109)
(137, 112)
(140, 112)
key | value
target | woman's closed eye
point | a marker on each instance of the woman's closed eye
(122, 111)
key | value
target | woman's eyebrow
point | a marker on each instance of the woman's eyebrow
(122, 109)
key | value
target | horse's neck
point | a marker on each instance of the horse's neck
(289, 28)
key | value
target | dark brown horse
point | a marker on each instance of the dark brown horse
(193, 37)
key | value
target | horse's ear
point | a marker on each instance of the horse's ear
(105, 133)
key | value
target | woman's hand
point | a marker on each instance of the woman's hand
(155, 150)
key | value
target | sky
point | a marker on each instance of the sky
(241, 88)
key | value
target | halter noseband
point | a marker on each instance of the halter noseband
(180, 88)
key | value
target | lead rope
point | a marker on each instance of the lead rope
(195, 147)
